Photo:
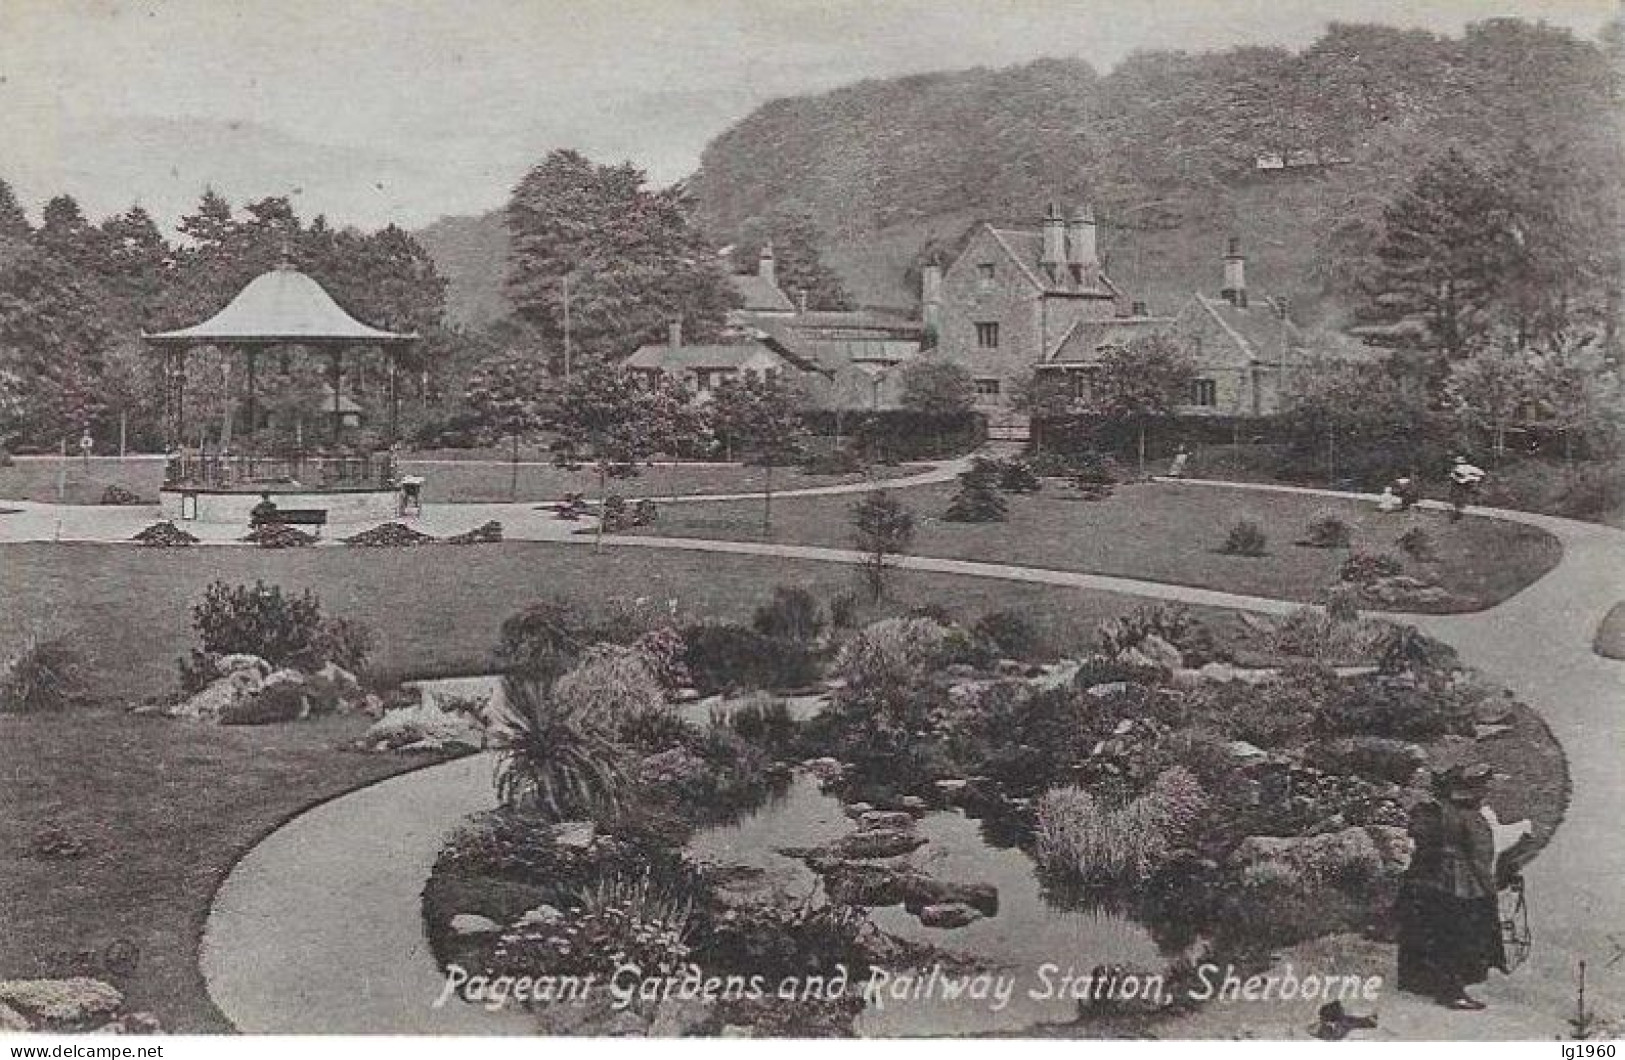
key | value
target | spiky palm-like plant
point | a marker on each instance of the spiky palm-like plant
(554, 757)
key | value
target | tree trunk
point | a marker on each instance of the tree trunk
(767, 505)
(513, 477)
(603, 495)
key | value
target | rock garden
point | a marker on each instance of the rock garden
(924, 793)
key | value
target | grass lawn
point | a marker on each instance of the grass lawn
(129, 609)
(471, 476)
(166, 808)
(1610, 642)
(1160, 532)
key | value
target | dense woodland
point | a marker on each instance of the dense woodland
(1457, 200)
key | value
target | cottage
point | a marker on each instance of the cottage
(701, 368)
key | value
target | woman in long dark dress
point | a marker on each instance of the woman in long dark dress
(1449, 920)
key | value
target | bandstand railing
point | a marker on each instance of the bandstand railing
(304, 471)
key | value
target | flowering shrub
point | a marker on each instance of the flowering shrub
(620, 921)
(1363, 568)
(610, 685)
(891, 651)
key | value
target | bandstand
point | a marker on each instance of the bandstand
(281, 308)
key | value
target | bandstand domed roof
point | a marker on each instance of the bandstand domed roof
(280, 306)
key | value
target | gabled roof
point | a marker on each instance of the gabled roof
(280, 306)
(827, 349)
(760, 295)
(1260, 331)
(1085, 339)
(1025, 247)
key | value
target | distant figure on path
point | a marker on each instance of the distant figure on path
(1465, 480)
(1389, 501)
(1449, 920)
(264, 512)
(1177, 468)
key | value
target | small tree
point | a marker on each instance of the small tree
(1580, 392)
(760, 418)
(510, 393)
(881, 528)
(1042, 396)
(937, 388)
(1143, 380)
(1492, 387)
(615, 420)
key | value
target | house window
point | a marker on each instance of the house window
(987, 387)
(987, 335)
(984, 275)
(1204, 392)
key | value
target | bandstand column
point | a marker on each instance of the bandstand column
(334, 372)
(249, 353)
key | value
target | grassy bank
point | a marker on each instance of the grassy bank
(1161, 532)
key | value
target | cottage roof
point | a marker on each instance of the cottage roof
(280, 306)
(720, 355)
(1261, 331)
(1085, 339)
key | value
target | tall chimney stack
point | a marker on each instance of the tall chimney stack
(1080, 238)
(1235, 275)
(674, 334)
(1053, 258)
(764, 265)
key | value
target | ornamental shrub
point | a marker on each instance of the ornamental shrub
(1246, 538)
(1080, 838)
(1009, 633)
(44, 678)
(978, 501)
(283, 629)
(1327, 529)
(1363, 568)
(793, 613)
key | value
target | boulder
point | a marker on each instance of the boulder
(1369, 851)
(863, 883)
(951, 786)
(222, 694)
(404, 727)
(913, 804)
(78, 1003)
(949, 915)
(876, 843)
(825, 769)
(920, 890)
(1108, 689)
(227, 664)
(856, 810)
(473, 924)
(574, 835)
(541, 915)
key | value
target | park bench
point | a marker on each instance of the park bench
(315, 518)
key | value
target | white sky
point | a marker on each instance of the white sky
(375, 111)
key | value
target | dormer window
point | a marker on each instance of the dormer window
(984, 275)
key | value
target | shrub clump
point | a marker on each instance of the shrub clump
(977, 501)
(1364, 568)
(487, 533)
(389, 535)
(279, 535)
(1081, 839)
(1009, 633)
(1327, 529)
(119, 495)
(1246, 538)
(724, 657)
(283, 629)
(1417, 543)
(164, 534)
(1016, 476)
(793, 613)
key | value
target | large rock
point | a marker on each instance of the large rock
(61, 1004)
(473, 924)
(876, 843)
(424, 726)
(1369, 851)
(864, 883)
(221, 695)
(575, 835)
(920, 890)
(228, 664)
(948, 915)
(878, 820)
